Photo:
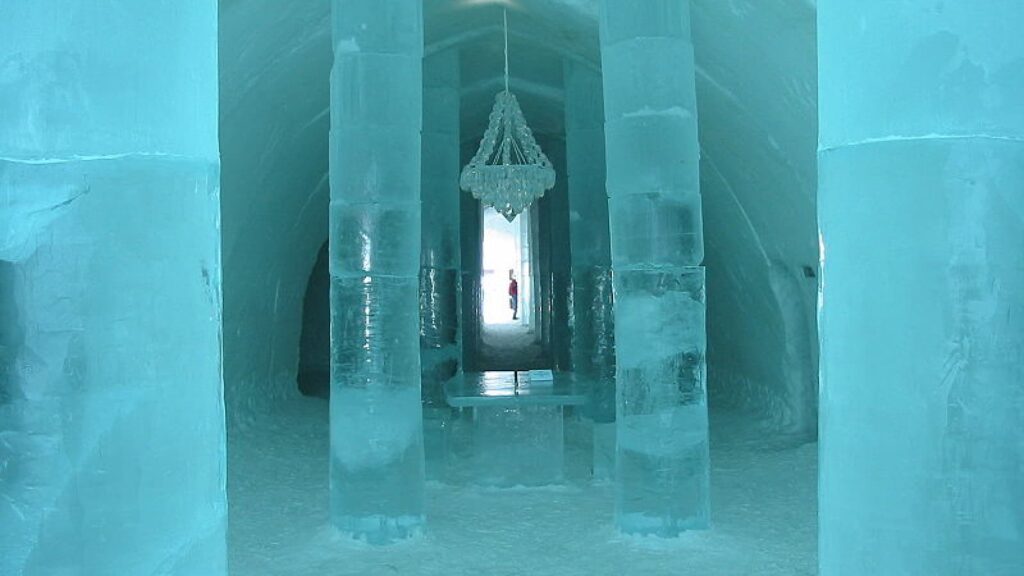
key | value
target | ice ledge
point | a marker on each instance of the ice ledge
(647, 111)
(869, 141)
(102, 157)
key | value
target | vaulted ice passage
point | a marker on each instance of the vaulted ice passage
(757, 183)
(757, 136)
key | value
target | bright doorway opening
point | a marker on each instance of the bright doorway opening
(506, 251)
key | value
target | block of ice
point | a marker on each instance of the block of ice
(949, 241)
(520, 445)
(540, 376)
(375, 307)
(112, 446)
(377, 467)
(437, 427)
(647, 66)
(440, 255)
(376, 448)
(375, 239)
(625, 20)
(356, 171)
(921, 214)
(657, 227)
(662, 460)
(507, 389)
(111, 337)
(363, 96)
(592, 320)
(604, 451)
(657, 247)
(377, 425)
(637, 143)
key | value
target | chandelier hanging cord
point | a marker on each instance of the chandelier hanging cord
(509, 171)
(504, 12)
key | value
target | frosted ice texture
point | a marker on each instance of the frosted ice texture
(440, 337)
(111, 405)
(656, 252)
(520, 445)
(437, 426)
(662, 453)
(921, 213)
(377, 467)
(603, 462)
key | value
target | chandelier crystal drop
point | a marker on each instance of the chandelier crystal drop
(509, 171)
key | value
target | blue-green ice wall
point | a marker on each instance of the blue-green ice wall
(111, 406)
(922, 234)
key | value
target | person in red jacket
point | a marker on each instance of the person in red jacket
(513, 295)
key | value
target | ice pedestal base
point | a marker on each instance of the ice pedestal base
(380, 530)
(377, 463)
(436, 425)
(662, 462)
(663, 479)
(604, 452)
(518, 445)
(517, 428)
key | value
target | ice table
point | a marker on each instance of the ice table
(517, 424)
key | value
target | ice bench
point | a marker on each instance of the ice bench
(517, 424)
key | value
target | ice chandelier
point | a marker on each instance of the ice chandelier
(509, 170)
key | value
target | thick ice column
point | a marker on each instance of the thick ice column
(657, 249)
(112, 447)
(440, 266)
(376, 422)
(921, 211)
(553, 238)
(593, 339)
(471, 240)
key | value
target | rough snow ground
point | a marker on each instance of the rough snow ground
(764, 513)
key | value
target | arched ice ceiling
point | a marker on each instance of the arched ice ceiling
(756, 85)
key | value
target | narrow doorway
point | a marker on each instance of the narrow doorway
(506, 257)
(509, 335)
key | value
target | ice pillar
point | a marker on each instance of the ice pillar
(376, 421)
(561, 262)
(921, 211)
(553, 251)
(440, 267)
(471, 241)
(656, 251)
(593, 339)
(112, 446)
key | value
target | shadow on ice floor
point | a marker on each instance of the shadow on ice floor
(764, 513)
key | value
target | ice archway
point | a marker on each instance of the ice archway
(758, 140)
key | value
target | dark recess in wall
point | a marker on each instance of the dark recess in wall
(315, 343)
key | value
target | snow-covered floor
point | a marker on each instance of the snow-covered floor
(764, 513)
